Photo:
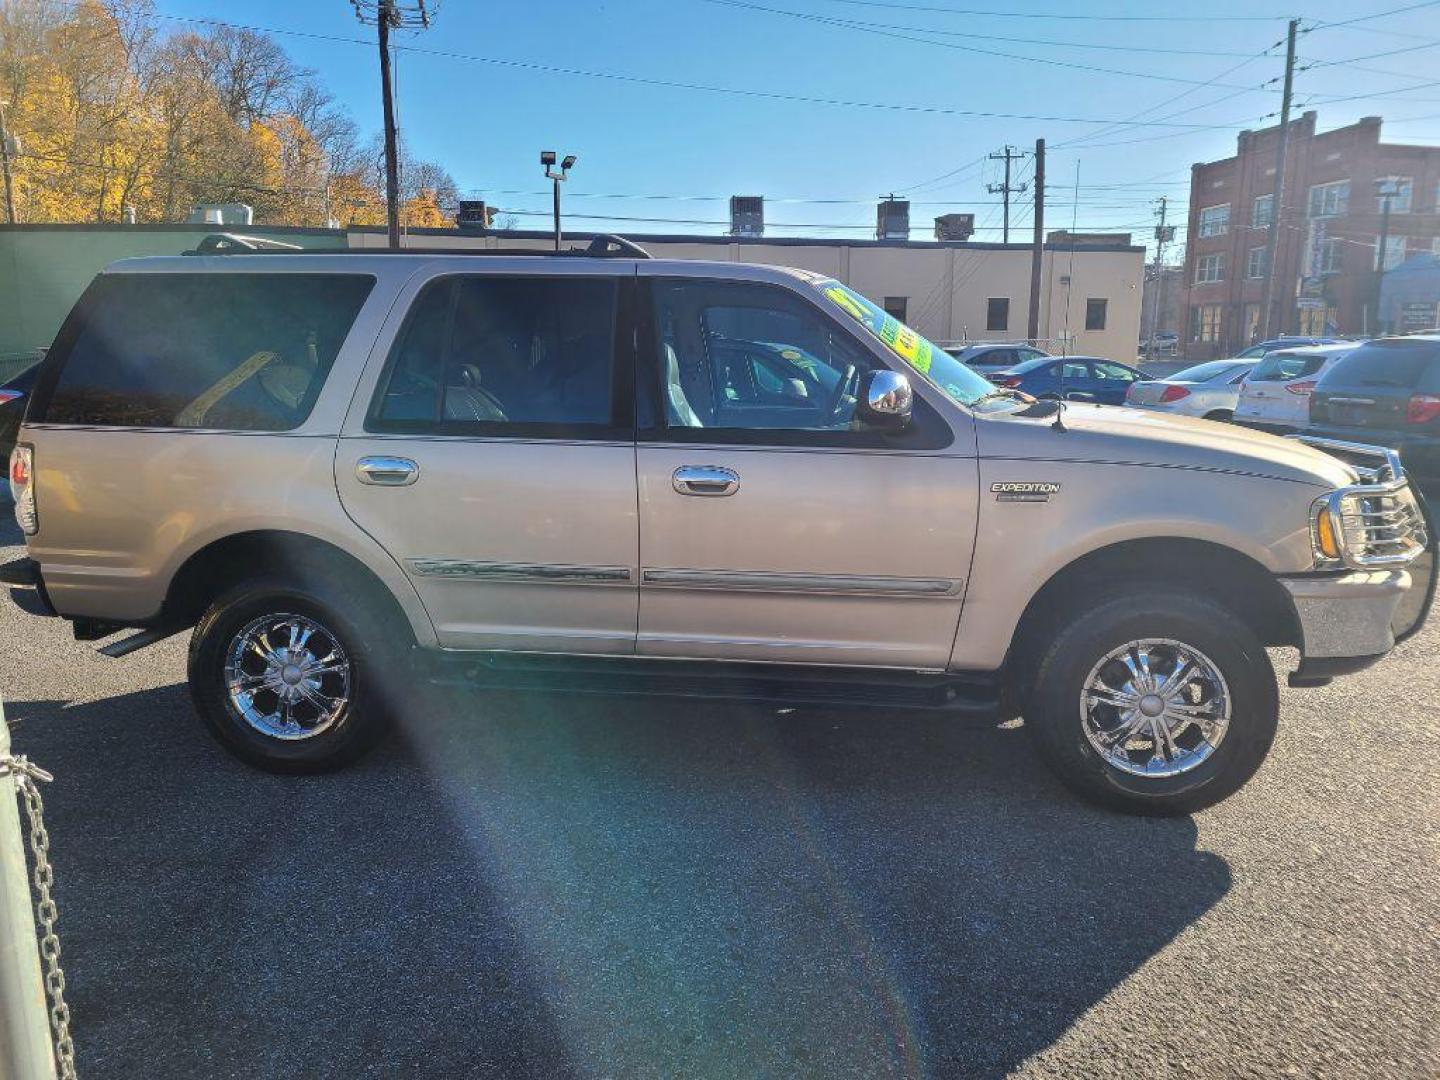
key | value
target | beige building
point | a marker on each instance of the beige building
(948, 290)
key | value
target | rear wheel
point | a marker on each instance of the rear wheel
(1219, 414)
(286, 679)
(1153, 702)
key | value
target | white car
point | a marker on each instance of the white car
(1276, 394)
(1209, 390)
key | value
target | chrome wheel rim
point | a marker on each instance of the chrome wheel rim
(287, 677)
(1155, 707)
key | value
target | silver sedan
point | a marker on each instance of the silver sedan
(1207, 390)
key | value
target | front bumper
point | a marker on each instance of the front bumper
(1345, 619)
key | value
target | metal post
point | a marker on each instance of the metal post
(26, 1050)
(1380, 260)
(1159, 281)
(5, 167)
(556, 183)
(1277, 208)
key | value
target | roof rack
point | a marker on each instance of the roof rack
(602, 246)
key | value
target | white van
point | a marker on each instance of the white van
(1275, 396)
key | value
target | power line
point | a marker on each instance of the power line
(890, 4)
(876, 28)
(1375, 15)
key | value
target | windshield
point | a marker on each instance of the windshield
(958, 381)
(1284, 366)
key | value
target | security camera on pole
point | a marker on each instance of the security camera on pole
(547, 158)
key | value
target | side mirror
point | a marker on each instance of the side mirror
(886, 400)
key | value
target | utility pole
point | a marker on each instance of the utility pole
(1038, 244)
(389, 15)
(5, 167)
(1387, 190)
(1162, 234)
(1277, 208)
(1007, 155)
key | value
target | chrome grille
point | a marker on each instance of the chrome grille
(1378, 520)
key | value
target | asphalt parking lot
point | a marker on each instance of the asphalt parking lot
(552, 887)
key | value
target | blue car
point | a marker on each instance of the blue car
(1073, 378)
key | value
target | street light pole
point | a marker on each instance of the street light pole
(547, 159)
(1386, 189)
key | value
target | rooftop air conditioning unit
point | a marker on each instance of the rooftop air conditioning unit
(892, 219)
(747, 215)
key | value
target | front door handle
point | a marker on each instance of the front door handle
(705, 480)
(387, 471)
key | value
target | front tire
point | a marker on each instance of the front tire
(286, 679)
(1153, 702)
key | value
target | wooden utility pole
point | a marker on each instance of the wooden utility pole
(1277, 208)
(390, 15)
(5, 167)
(1007, 155)
(1038, 244)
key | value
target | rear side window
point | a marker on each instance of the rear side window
(1404, 364)
(502, 356)
(239, 352)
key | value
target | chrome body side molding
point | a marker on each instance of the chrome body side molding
(528, 572)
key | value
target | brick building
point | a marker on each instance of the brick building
(1329, 227)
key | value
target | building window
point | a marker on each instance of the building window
(1205, 322)
(1095, 314)
(1402, 186)
(1263, 212)
(1209, 268)
(1315, 322)
(1255, 262)
(1215, 220)
(1394, 251)
(1332, 255)
(895, 306)
(1252, 322)
(997, 313)
(1330, 200)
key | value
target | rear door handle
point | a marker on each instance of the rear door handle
(705, 480)
(387, 471)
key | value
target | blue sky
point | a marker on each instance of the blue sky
(821, 166)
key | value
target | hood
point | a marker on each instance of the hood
(1114, 434)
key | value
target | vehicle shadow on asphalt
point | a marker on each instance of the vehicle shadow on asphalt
(557, 886)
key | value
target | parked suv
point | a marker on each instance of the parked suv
(1275, 396)
(1387, 391)
(354, 473)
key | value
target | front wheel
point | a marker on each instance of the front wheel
(285, 678)
(1153, 702)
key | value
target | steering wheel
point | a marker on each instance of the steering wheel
(832, 407)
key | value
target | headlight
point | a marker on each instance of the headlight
(1367, 526)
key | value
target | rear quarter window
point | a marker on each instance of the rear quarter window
(239, 352)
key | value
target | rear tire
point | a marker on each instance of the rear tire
(1070, 715)
(289, 679)
(1224, 415)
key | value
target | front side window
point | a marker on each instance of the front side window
(504, 356)
(1209, 268)
(1106, 370)
(1215, 220)
(1330, 200)
(1095, 311)
(997, 313)
(237, 352)
(737, 356)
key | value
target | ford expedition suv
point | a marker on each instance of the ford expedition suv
(351, 473)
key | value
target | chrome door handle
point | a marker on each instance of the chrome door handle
(705, 480)
(387, 471)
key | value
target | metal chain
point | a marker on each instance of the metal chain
(26, 774)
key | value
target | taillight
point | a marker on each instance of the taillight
(1010, 382)
(7, 396)
(1174, 393)
(22, 487)
(1302, 389)
(1422, 408)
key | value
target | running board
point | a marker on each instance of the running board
(136, 642)
(775, 684)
